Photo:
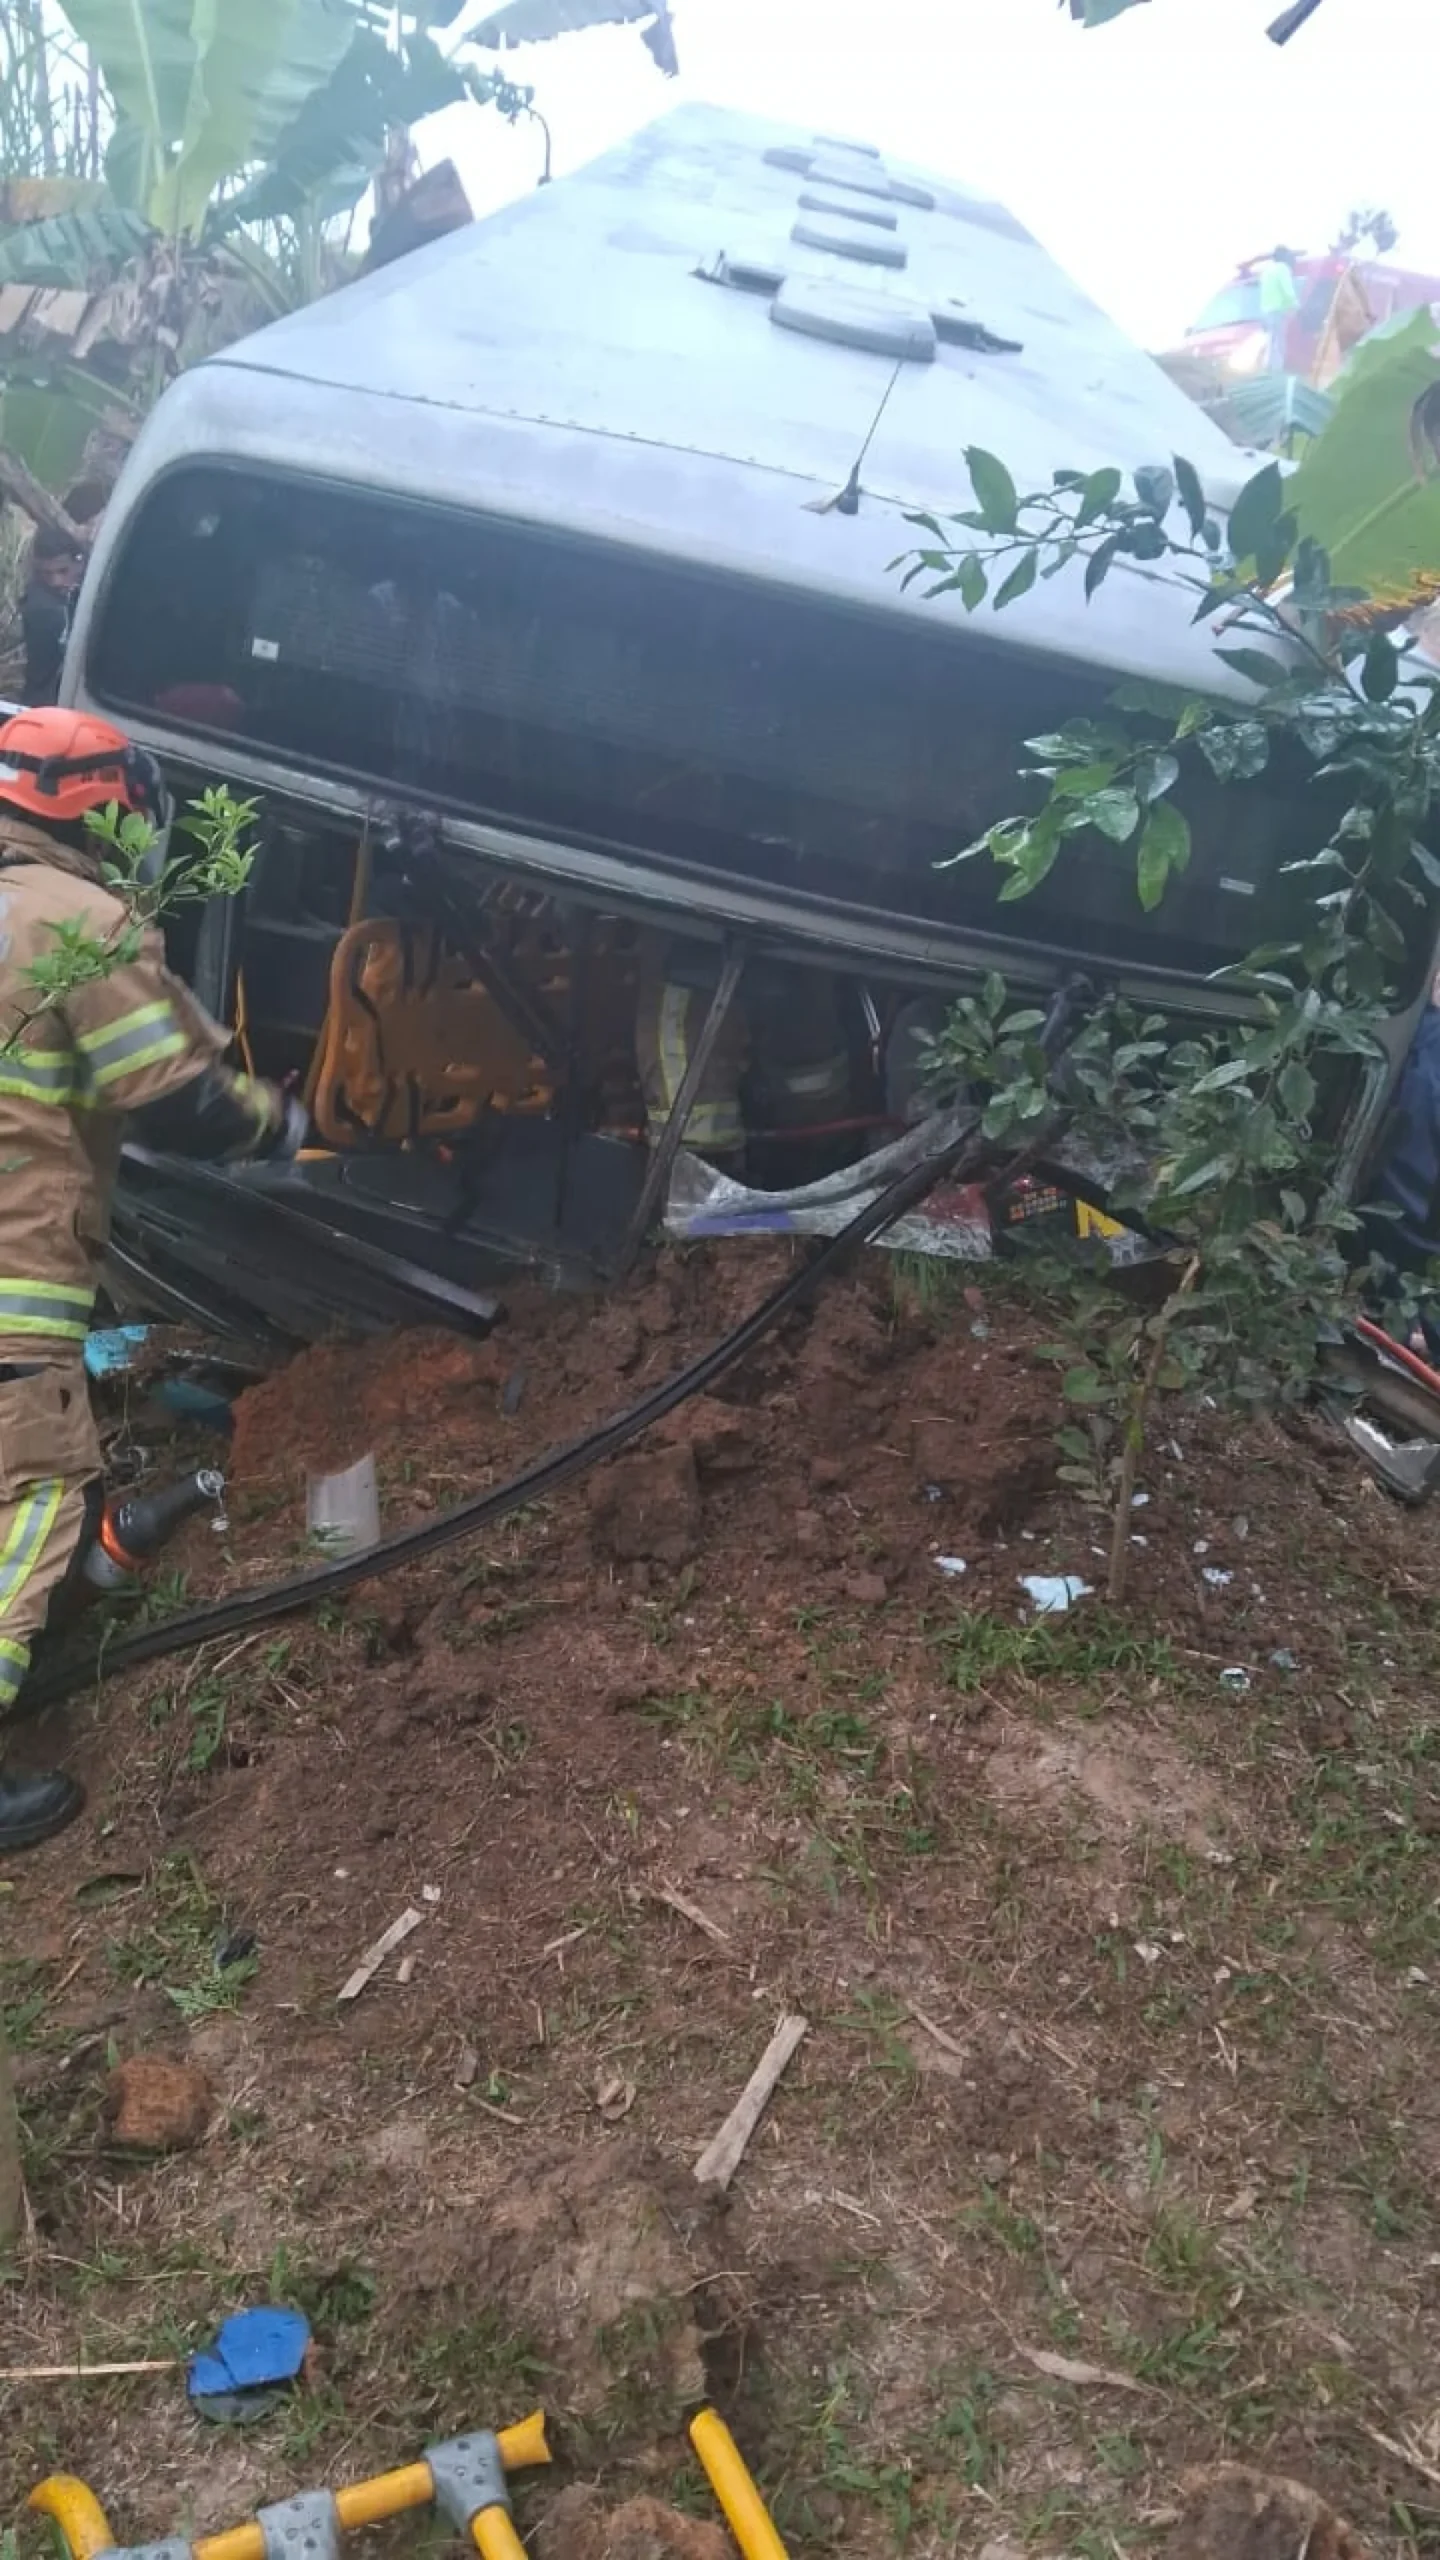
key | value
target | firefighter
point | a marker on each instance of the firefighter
(127, 1045)
(677, 983)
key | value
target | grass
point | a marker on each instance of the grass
(180, 1945)
(472, 2372)
(831, 1767)
(979, 1650)
(1118, 2109)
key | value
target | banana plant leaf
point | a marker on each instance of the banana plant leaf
(1275, 408)
(210, 85)
(79, 249)
(334, 146)
(1368, 488)
(46, 430)
(540, 21)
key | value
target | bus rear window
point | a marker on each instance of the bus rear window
(576, 689)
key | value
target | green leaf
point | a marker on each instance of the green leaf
(1381, 670)
(1078, 781)
(1311, 573)
(1365, 490)
(1083, 1386)
(541, 21)
(1074, 744)
(974, 585)
(1155, 775)
(1099, 491)
(332, 149)
(1100, 563)
(1192, 495)
(71, 249)
(1020, 581)
(1164, 848)
(45, 429)
(210, 85)
(1116, 813)
(995, 491)
(1191, 1178)
(1235, 750)
(1296, 1088)
(1216, 1079)
(1254, 665)
(1155, 488)
(1256, 513)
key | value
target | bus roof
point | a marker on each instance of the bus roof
(570, 361)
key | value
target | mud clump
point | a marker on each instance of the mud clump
(1233, 2513)
(723, 1438)
(155, 2105)
(646, 1509)
(579, 2526)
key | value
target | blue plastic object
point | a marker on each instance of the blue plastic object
(253, 2348)
(107, 1355)
(196, 1403)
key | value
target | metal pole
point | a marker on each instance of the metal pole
(659, 1170)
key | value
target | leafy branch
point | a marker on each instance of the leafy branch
(1209, 1147)
(217, 826)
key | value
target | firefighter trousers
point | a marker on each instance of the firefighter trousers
(49, 1467)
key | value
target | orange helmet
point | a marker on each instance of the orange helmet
(54, 765)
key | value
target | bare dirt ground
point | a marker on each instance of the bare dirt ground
(1113, 2147)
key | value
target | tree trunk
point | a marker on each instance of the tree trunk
(1137, 1424)
(43, 104)
(12, 2183)
(19, 484)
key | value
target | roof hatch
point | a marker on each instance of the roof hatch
(868, 248)
(873, 214)
(860, 177)
(855, 315)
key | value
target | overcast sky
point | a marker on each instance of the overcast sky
(1149, 156)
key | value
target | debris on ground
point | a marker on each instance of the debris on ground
(1051, 1594)
(580, 2526)
(721, 2158)
(155, 2105)
(244, 2374)
(374, 1956)
(1232, 2513)
(938, 1824)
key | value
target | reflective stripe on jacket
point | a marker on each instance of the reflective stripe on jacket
(68, 1075)
(670, 1017)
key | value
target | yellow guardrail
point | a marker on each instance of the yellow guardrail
(86, 2528)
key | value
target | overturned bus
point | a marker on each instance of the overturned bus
(541, 588)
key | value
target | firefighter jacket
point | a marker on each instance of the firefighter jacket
(130, 1040)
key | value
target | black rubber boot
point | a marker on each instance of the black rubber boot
(33, 1809)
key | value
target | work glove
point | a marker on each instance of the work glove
(285, 1123)
(292, 1128)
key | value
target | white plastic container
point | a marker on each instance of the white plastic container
(342, 1512)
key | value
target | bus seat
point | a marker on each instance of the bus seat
(411, 1047)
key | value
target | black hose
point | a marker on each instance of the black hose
(246, 1609)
